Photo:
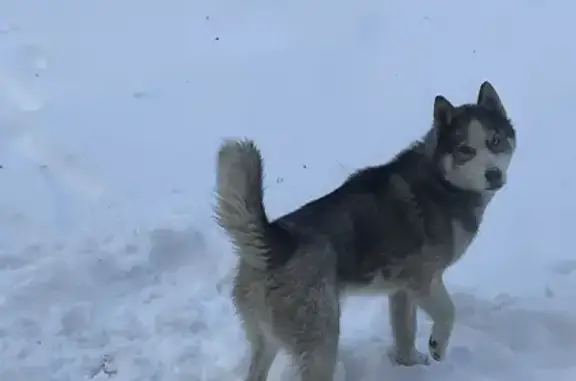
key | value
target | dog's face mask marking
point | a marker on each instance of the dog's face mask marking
(475, 143)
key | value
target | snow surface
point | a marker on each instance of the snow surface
(110, 115)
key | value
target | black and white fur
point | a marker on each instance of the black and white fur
(392, 228)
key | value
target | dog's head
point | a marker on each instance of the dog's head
(474, 142)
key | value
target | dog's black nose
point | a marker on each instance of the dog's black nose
(494, 177)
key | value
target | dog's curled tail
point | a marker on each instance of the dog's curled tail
(240, 208)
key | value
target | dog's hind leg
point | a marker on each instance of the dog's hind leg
(263, 355)
(263, 348)
(319, 363)
(263, 352)
(402, 309)
(315, 334)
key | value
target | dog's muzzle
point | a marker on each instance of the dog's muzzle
(495, 178)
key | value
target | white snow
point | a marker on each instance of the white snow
(110, 115)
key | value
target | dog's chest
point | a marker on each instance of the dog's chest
(461, 239)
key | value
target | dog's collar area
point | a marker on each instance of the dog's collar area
(459, 202)
(445, 187)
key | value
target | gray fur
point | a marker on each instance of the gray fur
(392, 228)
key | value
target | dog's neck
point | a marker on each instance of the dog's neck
(429, 142)
(466, 205)
(447, 187)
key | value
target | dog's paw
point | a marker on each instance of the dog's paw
(437, 348)
(411, 358)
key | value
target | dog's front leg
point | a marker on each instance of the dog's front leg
(403, 321)
(435, 300)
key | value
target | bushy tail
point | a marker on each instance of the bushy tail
(240, 208)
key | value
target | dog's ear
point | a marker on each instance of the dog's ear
(488, 98)
(443, 111)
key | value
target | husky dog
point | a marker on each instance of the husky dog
(393, 228)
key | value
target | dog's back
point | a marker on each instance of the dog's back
(376, 223)
(371, 221)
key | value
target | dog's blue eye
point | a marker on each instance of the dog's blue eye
(495, 141)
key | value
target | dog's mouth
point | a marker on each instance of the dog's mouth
(494, 186)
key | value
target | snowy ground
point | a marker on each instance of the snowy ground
(110, 115)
